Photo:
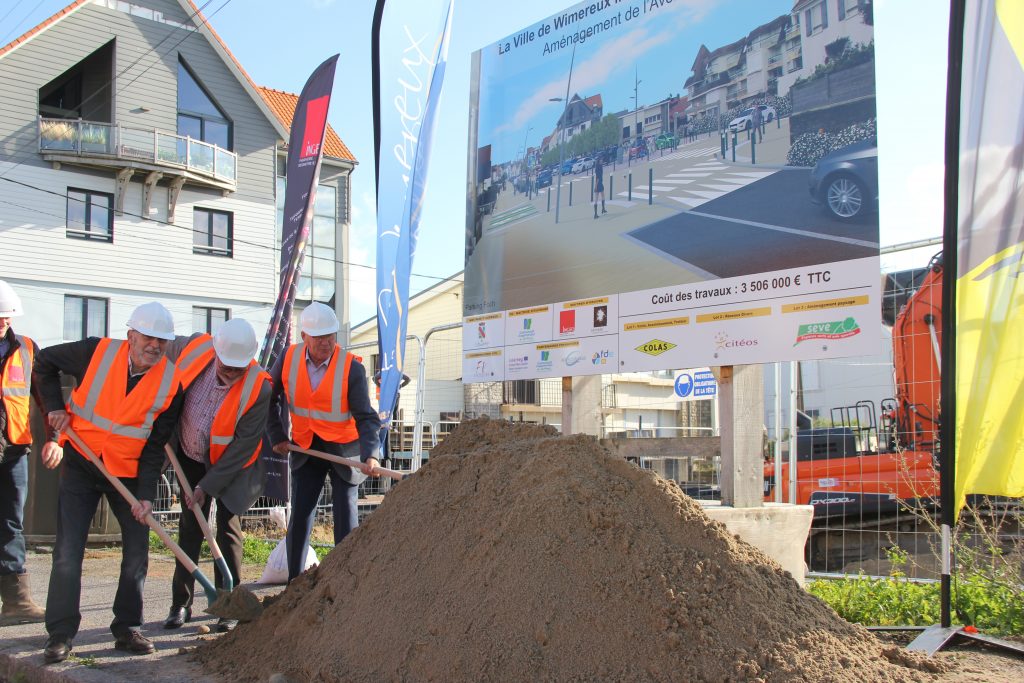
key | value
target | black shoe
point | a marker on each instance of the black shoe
(57, 649)
(225, 625)
(135, 642)
(178, 617)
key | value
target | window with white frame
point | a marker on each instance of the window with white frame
(90, 215)
(816, 18)
(207, 319)
(85, 316)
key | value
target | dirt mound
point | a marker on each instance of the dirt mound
(519, 555)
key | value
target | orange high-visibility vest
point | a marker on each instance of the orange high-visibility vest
(114, 423)
(15, 383)
(195, 358)
(323, 412)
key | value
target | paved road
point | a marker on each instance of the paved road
(768, 224)
(94, 659)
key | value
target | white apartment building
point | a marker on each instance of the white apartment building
(821, 23)
(139, 161)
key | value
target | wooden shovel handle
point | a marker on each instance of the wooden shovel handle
(132, 500)
(354, 464)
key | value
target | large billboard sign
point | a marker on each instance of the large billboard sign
(673, 184)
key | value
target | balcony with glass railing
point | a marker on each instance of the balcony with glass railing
(116, 146)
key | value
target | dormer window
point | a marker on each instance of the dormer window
(198, 116)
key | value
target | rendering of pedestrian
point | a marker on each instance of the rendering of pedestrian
(124, 409)
(756, 118)
(223, 418)
(17, 353)
(327, 402)
(599, 185)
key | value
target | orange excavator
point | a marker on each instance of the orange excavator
(862, 467)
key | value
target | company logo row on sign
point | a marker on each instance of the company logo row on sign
(628, 351)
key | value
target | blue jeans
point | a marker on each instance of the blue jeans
(307, 483)
(81, 487)
(13, 490)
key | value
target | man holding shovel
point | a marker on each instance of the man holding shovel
(328, 405)
(16, 355)
(124, 409)
(227, 401)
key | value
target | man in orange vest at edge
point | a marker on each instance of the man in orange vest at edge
(124, 408)
(324, 391)
(223, 418)
(16, 354)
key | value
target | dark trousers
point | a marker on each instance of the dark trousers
(81, 488)
(13, 490)
(190, 538)
(307, 483)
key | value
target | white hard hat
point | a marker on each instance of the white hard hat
(153, 320)
(235, 343)
(10, 302)
(319, 319)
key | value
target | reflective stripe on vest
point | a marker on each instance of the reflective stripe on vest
(14, 392)
(333, 415)
(193, 359)
(324, 412)
(115, 425)
(241, 397)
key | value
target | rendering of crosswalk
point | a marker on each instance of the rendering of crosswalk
(695, 184)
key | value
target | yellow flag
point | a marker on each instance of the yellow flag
(990, 270)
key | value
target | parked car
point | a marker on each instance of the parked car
(745, 121)
(566, 167)
(638, 150)
(544, 178)
(845, 182)
(584, 164)
(666, 140)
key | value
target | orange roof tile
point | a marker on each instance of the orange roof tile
(32, 31)
(283, 105)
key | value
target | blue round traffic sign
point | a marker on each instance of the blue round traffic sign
(684, 385)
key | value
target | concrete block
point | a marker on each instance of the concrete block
(779, 530)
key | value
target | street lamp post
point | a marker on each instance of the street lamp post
(636, 105)
(558, 131)
(523, 164)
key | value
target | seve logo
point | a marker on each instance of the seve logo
(312, 135)
(567, 321)
(838, 329)
(655, 347)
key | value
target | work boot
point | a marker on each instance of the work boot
(226, 625)
(178, 617)
(135, 643)
(57, 649)
(18, 607)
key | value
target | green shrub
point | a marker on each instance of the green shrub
(809, 148)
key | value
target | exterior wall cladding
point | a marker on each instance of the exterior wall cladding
(147, 258)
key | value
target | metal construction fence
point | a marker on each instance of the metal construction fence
(839, 425)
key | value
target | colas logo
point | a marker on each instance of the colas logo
(838, 329)
(655, 347)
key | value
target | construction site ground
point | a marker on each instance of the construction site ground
(94, 660)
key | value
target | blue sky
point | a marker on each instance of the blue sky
(280, 43)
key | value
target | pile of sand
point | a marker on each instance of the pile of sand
(520, 555)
